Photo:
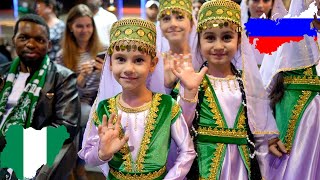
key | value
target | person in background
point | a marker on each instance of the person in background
(196, 5)
(48, 10)
(152, 10)
(37, 92)
(4, 49)
(293, 83)
(80, 46)
(103, 20)
(273, 9)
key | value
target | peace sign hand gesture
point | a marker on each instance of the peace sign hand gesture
(110, 142)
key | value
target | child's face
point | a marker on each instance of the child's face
(132, 68)
(176, 28)
(258, 7)
(218, 46)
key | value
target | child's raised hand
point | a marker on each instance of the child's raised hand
(169, 77)
(184, 70)
(110, 142)
(276, 147)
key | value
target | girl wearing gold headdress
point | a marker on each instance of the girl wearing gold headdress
(134, 142)
(176, 36)
(233, 119)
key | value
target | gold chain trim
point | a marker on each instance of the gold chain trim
(152, 175)
(142, 108)
(302, 80)
(265, 132)
(148, 131)
(204, 25)
(175, 110)
(216, 160)
(132, 44)
(125, 149)
(303, 98)
(212, 103)
(174, 10)
(222, 132)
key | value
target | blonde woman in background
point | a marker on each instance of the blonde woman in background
(80, 46)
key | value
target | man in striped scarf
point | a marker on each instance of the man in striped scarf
(35, 91)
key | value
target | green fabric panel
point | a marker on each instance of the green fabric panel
(284, 110)
(205, 154)
(156, 155)
(206, 145)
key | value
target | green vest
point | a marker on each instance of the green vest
(301, 87)
(153, 153)
(213, 134)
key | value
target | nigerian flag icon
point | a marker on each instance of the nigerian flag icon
(28, 149)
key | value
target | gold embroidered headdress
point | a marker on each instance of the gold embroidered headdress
(219, 13)
(133, 34)
(168, 7)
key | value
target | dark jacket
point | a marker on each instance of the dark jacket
(58, 103)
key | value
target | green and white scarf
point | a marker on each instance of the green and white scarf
(22, 113)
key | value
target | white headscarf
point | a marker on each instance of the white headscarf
(278, 10)
(293, 55)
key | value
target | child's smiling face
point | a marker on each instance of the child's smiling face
(219, 45)
(131, 68)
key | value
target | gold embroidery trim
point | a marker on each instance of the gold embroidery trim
(212, 103)
(308, 71)
(125, 150)
(242, 133)
(175, 110)
(148, 131)
(95, 117)
(216, 160)
(302, 80)
(152, 175)
(142, 108)
(245, 150)
(242, 120)
(265, 132)
(285, 69)
(303, 98)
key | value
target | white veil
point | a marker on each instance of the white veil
(278, 10)
(293, 55)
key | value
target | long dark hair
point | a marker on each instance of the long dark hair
(254, 165)
(277, 91)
